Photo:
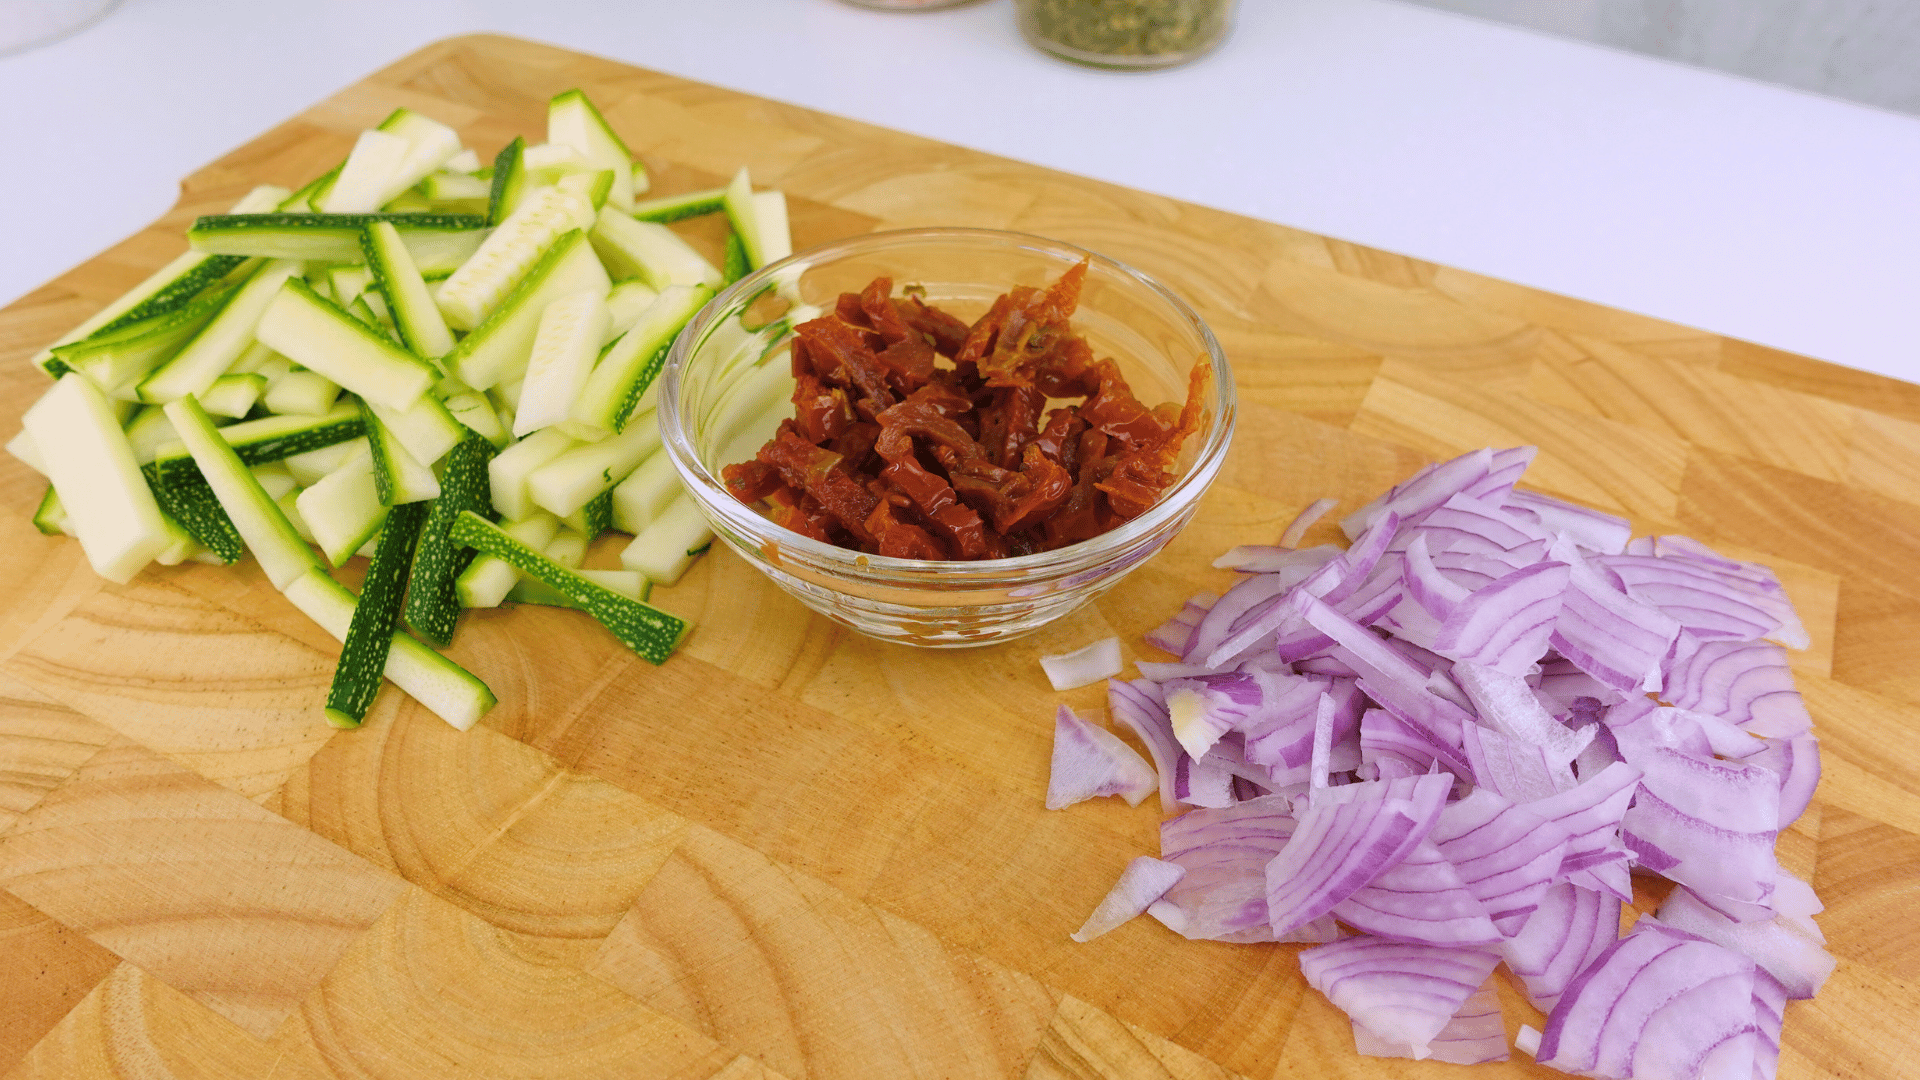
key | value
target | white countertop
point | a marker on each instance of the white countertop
(1753, 211)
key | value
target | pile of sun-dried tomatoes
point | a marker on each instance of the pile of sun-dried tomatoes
(917, 436)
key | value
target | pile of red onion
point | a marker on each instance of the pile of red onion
(1447, 746)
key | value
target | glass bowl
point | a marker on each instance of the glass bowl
(727, 376)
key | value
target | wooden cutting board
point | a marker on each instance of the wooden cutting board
(793, 852)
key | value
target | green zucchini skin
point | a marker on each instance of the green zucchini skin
(432, 608)
(178, 293)
(599, 514)
(301, 434)
(651, 633)
(363, 656)
(185, 496)
(735, 264)
(681, 207)
(509, 180)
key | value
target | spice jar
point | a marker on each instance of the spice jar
(1135, 34)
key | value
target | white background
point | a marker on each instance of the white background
(1746, 209)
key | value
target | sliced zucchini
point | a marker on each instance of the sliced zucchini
(573, 121)
(498, 349)
(668, 545)
(275, 479)
(672, 208)
(508, 471)
(313, 466)
(483, 282)
(776, 238)
(436, 241)
(432, 605)
(117, 358)
(190, 502)
(363, 654)
(488, 579)
(233, 395)
(626, 302)
(568, 548)
(319, 336)
(645, 629)
(344, 509)
(302, 393)
(346, 283)
(22, 448)
(90, 463)
(745, 217)
(376, 159)
(583, 473)
(282, 554)
(414, 312)
(510, 182)
(594, 518)
(167, 288)
(148, 432)
(568, 340)
(625, 373)
(465, 162)
(455, 192)
(448, 690)
(640, 499)
(398, 477)
(270, 438)
(473, 411)
(649, 251)
(258, 358)
(734, 265)
(50, 517)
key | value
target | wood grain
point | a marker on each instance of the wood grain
(793, 852)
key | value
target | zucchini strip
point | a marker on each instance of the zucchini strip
(645, 629)
(363, 656)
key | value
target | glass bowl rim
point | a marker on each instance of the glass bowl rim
(711, 492)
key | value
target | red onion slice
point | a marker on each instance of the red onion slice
(1769, 1008)
(1359, 832)
(1173, 635)
(1505, 854)
(1297, 528)
(1797, 762)
(1138, 705)
(1789, 948)
(1657, 1005)
(1404, 994)
(1513, 769)
(1507, 625)
(1225, 853)
(1507, 704)
(1474, 1036)
(1265, 559)
(1712, 823)
(1421, 900)
(1591, 529)
(1144, 881)
(1565, 934)
(1089, 760)
(1604, 632)
(1747, 682)
(1085, 666)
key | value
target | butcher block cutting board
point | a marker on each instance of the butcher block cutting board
(795, 852)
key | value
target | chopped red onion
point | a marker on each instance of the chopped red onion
(1445, 738)
(1790, 948)
(1607, 634)
(1657, 1005)
(1712, 822)
(1089, 760)
(1348, 840)
(1797, 762)
(1591, 529)
(1505, 854)
(1305, 520)
(1474, 1036)
(1144, 881)
(1173, 635)
(1083, 667)
(1565, 934)
(1746, 682)
(1421, 900)
(1403, 993)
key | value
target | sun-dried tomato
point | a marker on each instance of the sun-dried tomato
(896, 451)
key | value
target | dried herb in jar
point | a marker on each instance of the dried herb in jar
(1142, 28)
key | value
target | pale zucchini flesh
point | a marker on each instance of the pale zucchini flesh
(91, 465)
(319, 336)
(268, 534)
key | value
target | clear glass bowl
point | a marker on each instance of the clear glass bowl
(718, 361)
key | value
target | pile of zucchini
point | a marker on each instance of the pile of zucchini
(443, 366)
